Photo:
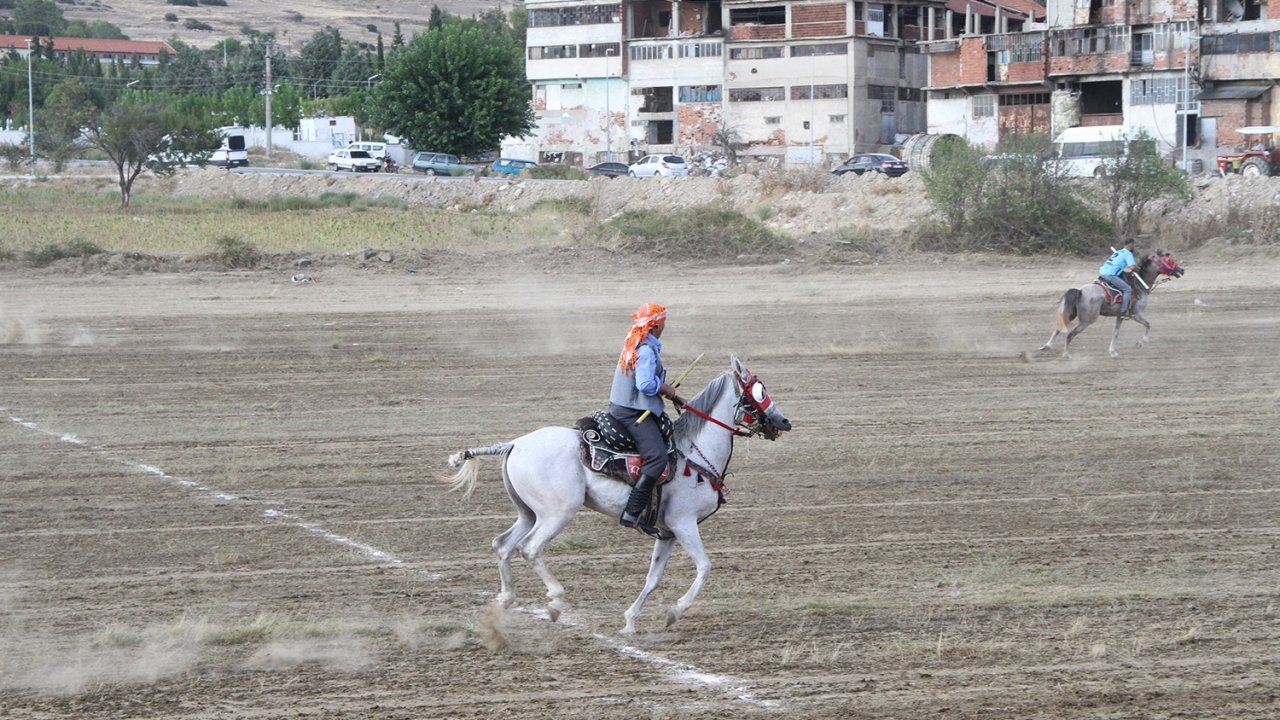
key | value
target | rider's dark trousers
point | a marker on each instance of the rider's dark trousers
(648, 438)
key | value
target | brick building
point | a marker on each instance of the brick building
(1185, 72)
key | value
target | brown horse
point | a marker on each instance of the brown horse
(1087, 302)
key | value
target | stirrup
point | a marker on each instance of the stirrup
(635, 521)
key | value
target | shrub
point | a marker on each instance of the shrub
(220, 3)
(293, 15)
(184, 3)
(171, 17)
(14, 155)
(371, 28)
(1137, 178)
(234, 252)
(701, 232)
(193, 24)
(49, 253)
(1012, 205)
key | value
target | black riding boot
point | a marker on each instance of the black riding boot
(637, 504)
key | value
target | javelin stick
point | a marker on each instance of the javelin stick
(676, 384)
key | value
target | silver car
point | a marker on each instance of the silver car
(665, 165)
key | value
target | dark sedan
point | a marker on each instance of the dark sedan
(872, 162)
(608, 169)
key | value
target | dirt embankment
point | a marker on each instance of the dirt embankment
(794, 203)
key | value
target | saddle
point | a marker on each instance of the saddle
(607, 447)
(1111, 293)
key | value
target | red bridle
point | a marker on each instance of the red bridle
(750, 416)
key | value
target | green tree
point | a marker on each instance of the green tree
(38, 16)
(454, 89)
(1136, 178)
(436, 20)
(317, 60)
(71, 106)
(136, 135)
(353, 69)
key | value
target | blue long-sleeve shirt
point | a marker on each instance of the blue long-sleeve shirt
(638, 390)
(1119, 260)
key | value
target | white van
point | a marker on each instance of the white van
(375, 149)
(233, 152)
(1085, 151)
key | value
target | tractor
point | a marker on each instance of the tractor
(1260, 157)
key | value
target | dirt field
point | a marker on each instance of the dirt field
(219, 497)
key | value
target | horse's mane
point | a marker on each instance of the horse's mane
(689, 424)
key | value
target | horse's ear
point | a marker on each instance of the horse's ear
(737, 366)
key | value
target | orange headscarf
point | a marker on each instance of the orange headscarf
(644, 319)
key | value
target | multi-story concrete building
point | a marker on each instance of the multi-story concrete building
(805, 80)
(1186, 73)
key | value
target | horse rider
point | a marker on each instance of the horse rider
(639, 384)
(1121, 260)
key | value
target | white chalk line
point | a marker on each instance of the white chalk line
(683, 672)
(274, 513)
(735, 688)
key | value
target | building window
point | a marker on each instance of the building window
(579, 15)
(821, 92)
(1016, 48)
(706, 49)
(597, 50)
(886, 94)
(1232, 44)
(1153, 91)
(824, 49)
(553, 52)
(700, 93)
(650, 52)
(769, 15)
(756, 53)
(764, 94)
(835, 119)
(984, 106)
(772, 119)
(1024, 99)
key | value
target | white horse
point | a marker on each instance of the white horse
(1087, 303)
(548, 483)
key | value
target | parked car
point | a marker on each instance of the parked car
(872, 162)
(433, 163)
(608, 169)
(511, 166)
(665, 165)
(353, 161)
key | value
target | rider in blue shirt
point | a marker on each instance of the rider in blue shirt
(1121, 260)
(635, 399)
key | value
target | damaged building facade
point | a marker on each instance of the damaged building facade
(801, 80)
(1187, 72)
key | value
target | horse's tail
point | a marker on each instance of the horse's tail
(1067, 308)
(468, 466)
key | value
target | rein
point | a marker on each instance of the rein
(735, 430)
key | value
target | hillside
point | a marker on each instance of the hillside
(293, 22)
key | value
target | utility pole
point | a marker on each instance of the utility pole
(267, 98)
(31, 111)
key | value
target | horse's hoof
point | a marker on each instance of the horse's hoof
(506, 600)
(554, 608)
(672, 617)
